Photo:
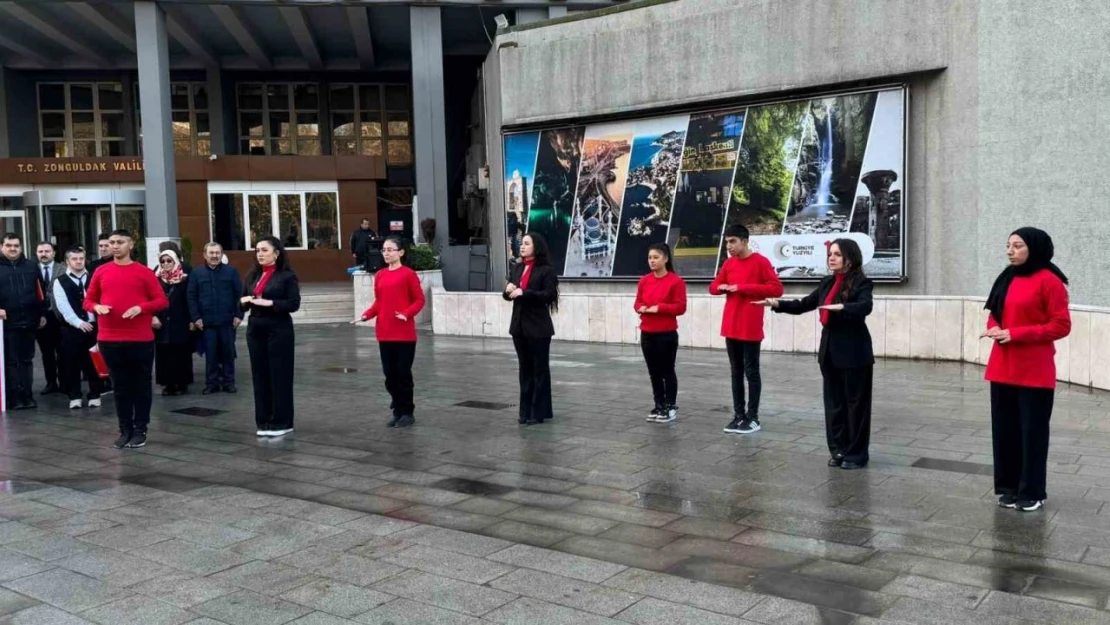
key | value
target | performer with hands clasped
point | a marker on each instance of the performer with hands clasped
(846, 356)
(1028, 307)
(398, 297)
(660, 300)
(533, 289)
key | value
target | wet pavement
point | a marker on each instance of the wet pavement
(596, 517)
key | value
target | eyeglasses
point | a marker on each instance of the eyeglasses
(390, 249)
(165, 261)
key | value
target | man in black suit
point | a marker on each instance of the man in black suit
(49, 336)
(22, 307)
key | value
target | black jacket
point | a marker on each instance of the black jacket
(360, 242)
(285, 291)
(214, 295)
(845, 340)
(531, 318)
(20, 293)
(175, 318)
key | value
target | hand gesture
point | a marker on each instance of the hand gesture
(246, 299)
(770, 302)
(155, 323)
(651, 310)
(510, 287)
(101, 309)
(236, 322)
(265, 303)
(3, 314)
(641, 310)
(42, 322)
(728, 288)
(997, 334)
(85, 327)
(831, 307)
(517, 292)
(401, 316)
(199, 324)
(132, 312)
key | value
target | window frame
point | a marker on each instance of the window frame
(301, 190)
(100, 140)
(294, 137)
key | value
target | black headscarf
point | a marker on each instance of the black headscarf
(1040, 257)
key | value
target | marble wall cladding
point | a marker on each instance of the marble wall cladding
(945, 328)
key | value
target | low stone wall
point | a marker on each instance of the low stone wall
(364, 292)
(927, 328)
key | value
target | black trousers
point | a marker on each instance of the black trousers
(19, 365)
(131, 364)
(49, 340)
(270, 345)
(219, 356)
(660, 351)
(76, 361)
(534, 357)
(743, 360)
(173, 364)
(397, 357)
(847, 393)
(1019, 427)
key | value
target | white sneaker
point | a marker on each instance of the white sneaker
(94, 403)
(264, 433)
(669, 414)
(280, 432)
(654, 415)
(75, 404)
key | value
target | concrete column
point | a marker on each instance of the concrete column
(429, 129)
(154, 97)
(555, 12)
(214, 84)
(5, 151)
(495, 160)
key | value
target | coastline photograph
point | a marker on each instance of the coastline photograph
(557, 163)
(597, 208)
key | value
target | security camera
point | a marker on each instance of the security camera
(501, 21)
(213, 157)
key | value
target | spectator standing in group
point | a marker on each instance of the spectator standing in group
(213, 297)
(1028, 307)
(398, 297)
(77, 331)
(49, 335)
(23, 309)
(271, 293)
(104, 254)
(660, 301)
(846, 356)
(173, 329)
(125, 295)
(745, 276)
(533, 289)
(362, 242)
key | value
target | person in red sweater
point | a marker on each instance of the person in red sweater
(660, 301)
(1028, 307)
(398, 297)
(745, 277)
(125, 295)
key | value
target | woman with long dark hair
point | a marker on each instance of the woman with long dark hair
(1028, 307)
(533, 289)
(173, 332)
(846, 357)
(660, 300)
(398, 297)
(271, 293)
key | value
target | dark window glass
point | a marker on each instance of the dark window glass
(52, 97)
(342, 97)
(81, 97)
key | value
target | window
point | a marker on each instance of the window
(279, 118)
(188, 119)
(372, 120)
(300, 219)
(398, 111)
(80, 119)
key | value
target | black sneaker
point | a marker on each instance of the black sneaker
(749, 426)
(1007, 501)
(1026, 505)
(733, 426)
(208, 390)
(124, 438)
(393, 421)
(138, 439)
(230, 388)
(668, 414)
(654, 415)
(405, 421)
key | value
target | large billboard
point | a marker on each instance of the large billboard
(797, 174)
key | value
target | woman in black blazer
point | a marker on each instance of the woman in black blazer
(271, 293)
(846, 357)
(533, 289)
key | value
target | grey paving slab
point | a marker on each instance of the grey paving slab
(927, 589)
(42, 615)
(567, 592)
(67, 590)
(517, 532)
(186, 556)
(453, 540)
(448, 564)
(446, 593)
(376, 524)
(138, 611)
(267, 578)
(320, 618)
(14, 565)
(338, 598)
(567, 565)
(183, 590)
(248, 608)
(779, 611)
(343, 567)
(678, 590)
(114, 567)
(14, 602)
(526, 611)
(413, 613)
(658, 612)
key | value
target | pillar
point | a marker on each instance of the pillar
(154, 98)
(215, 87)
(5, 151)
(429, 130)
(556, 12)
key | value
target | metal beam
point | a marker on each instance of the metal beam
(181, 32)
(360, 30)
(103, 18)
(44, 28)
(234, 24)
(22, 50)
(302, 34)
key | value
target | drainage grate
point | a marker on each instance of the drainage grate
(340, 369)
(484, 405)
(954, 466)
(471, 487)
(197, 411)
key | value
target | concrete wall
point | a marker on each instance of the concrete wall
(1004, 105)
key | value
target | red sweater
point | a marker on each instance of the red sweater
(396, 291)
(757, 280)
(121, 287)
(669, 294)
(1036, 314)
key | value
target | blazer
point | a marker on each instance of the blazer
(845, 340)
(531, 318)
(285, 291)
(57, 269)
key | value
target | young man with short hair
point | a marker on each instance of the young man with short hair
(125, 295)
(745, 277)
(78, 331)
(22, 307)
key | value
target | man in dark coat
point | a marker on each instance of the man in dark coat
(23, 309)
(49, 337)
(213, 296)
(361, 242)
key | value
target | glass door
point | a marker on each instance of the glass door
(14, 221)
(67, 226)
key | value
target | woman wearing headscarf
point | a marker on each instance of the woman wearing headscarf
(173, 338)
(533, 289)
(1028, 307)
(846, 356)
